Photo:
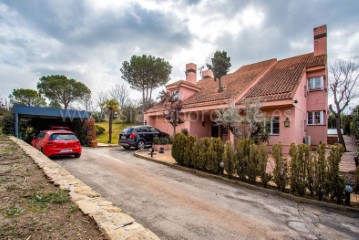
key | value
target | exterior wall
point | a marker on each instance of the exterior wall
(185, 93)
(286, 134)
(198, 129)
(318, 101)
(301, 97)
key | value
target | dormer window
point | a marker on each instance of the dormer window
(176, 95)
(316, 83)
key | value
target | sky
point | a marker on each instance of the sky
(89, 40)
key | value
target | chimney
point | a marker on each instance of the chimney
(320, 40)
(207, 74)
(191, 73)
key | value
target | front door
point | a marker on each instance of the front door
(215, 130)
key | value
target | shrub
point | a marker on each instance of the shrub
(335, 184)
(253, 163)
(99, 130)
(229, 158)
(262, 164)
(356, 186)
(156, 140)
(184, 131)
(178, 148)
(280, 172)
(90, 129)
(320, 172)
(189, 151)
(217, 148)
(242, 156)
(204, 153)
(299, 168)
(7, 123)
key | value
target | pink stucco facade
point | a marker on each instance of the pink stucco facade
(306, 109)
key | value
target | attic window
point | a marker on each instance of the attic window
(176, 95)
(316, 83)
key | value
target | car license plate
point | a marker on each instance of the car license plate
(66, 150)
(123, 137)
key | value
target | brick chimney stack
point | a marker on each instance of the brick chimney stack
(207, 74)
(320, 40)
(191, 73)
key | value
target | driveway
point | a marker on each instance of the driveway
(178, 205)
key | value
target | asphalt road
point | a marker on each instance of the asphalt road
(178, 205)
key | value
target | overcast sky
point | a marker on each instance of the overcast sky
(89, 40)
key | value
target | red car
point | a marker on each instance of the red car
(57, 143)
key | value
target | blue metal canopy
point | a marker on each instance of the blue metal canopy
(41, 112)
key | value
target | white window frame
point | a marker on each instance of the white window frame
(321, 117)
(316, 83)
(176, 95)
(271, 125)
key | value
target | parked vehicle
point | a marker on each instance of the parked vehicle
(60, 128)
(139, 136)
(57, 143)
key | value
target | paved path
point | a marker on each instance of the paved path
(178, 205)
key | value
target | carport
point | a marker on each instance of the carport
(43, 118)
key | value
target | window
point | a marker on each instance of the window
(224, 130)
(41, 135)
(316, 83)
(176, 95)
(315, 118)
(272, 125)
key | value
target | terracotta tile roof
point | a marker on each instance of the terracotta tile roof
(282, 80)
(234, 84)
(279, 83)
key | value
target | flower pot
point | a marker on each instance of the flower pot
(165, 147)
(94, 143)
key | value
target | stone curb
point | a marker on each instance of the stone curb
(252, 187)
(112, 222)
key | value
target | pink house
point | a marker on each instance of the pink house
(293, 94)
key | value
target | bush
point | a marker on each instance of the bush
(184, 131)
(190, 151)
(229, 158)
(335, 184)
(356, 186)
(280, 172)
(262, 165)
(7, 123)
(178, 148)
(242, 156)
(299, 168)
(217, 148)
(320, 172)
(253, 164)
(204, 153)
(99, 130)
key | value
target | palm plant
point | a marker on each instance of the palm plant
(111, 105)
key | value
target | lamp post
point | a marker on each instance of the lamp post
(348, 190)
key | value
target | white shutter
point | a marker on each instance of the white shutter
(321, 117)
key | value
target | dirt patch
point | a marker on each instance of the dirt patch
(33, 208)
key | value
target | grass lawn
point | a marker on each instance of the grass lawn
(116, 129)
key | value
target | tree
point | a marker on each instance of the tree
(343, 86)
(28, 97)
(111, 105)
(220, 67)
(120, 93)
(145, 73)
(87, 102)
(60, 89)
(102, 98)
(172, 109)
(248, 125)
